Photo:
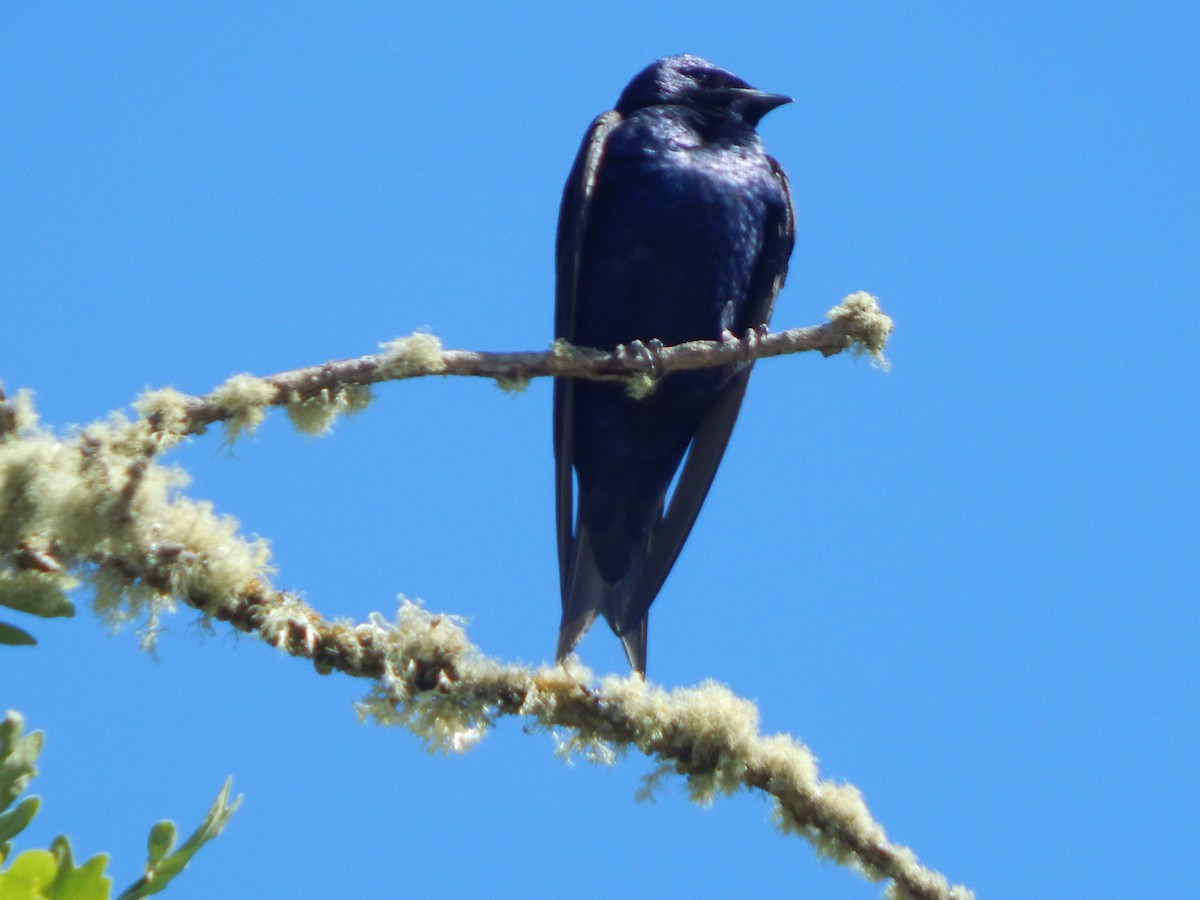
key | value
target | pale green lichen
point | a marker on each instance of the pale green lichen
(574, 735)
(20, 416)
(108, 511)
(719, 728)
(168, 407)
(48, 489)
(243, 401)
(315, 415)
(543, 703)
(570, 744)
(640, 386)
(872, 321)
(419, 353)
(513, 385)
(451, 719)
(224, 562)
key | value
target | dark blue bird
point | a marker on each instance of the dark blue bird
(675, 226)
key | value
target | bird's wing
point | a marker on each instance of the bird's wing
(572, 232)
(779, 237)
(712, 435)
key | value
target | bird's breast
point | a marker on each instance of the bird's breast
(672, 244)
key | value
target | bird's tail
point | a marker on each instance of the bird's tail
(634, 643)
(584, 598)
(589, 595)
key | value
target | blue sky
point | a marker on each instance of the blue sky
(968, 585)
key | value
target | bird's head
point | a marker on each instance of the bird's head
(690, 81)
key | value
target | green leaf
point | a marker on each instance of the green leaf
(14, 821)
(47, 602)
(162, 841)
(36, 592)
(160, 868)
(86, 882)
(37, 874)
(52, 874)
(29, 877)
(14, 636)
(18, 756)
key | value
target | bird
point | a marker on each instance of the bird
(675, 225)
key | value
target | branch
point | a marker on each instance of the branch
(315, 395)
(96, 506)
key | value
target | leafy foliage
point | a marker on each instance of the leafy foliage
(164, 862)
(30, 592)
(52, 874)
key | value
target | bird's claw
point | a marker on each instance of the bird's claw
(650, 352)
(747, 343)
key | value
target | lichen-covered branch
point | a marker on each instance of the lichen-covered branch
(316, 395)
(97, 506)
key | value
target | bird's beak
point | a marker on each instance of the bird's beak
(754, 104)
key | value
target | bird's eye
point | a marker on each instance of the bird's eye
(709, 79)
(713, 80)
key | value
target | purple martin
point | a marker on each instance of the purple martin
(675, 225)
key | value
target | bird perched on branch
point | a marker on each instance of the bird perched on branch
(675, 225)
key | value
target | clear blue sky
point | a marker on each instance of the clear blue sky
(969, 585)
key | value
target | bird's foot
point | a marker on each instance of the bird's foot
(747, 343)
(650, 352)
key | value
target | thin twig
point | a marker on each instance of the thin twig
(855, 324)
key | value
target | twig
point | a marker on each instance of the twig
(857, 323)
